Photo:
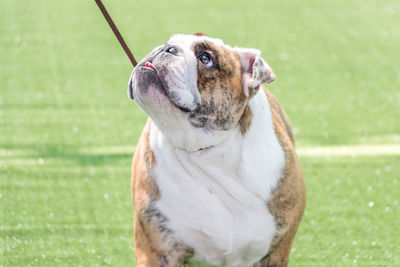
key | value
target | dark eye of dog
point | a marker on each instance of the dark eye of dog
(206, 60)
(172, 50)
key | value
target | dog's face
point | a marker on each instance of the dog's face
(196, 83)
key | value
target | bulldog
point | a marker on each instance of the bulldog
(215, 177)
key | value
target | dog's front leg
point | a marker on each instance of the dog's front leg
(154, 249)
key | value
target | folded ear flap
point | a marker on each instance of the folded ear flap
(255, 70)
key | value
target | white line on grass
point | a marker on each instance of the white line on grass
(304, 151)
(349, 150)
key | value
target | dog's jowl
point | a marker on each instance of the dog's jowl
(215, 176)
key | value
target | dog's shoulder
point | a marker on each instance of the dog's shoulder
(143, 160)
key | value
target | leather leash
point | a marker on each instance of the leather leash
(116, 32)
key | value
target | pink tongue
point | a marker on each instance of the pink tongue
(149, 65)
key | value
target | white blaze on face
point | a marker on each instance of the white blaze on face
(182, 71)
(188, 41)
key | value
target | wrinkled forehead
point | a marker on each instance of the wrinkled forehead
(190, 41)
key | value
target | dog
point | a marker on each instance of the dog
(215, 176)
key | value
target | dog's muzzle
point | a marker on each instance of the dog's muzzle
(164, 69)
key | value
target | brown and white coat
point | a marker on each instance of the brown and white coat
(215, 176)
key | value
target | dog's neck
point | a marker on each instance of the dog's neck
(201, 141)
(183, 136)
(226, 150)
(190, 139)
(241, 157)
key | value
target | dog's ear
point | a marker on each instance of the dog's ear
(255, 70)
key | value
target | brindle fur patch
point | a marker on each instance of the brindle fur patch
(155, 244)
(222, 96)
(245, 120)
(287, 202)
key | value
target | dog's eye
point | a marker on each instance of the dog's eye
(172, 50)
(206, 60)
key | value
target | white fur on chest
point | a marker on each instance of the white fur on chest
(215, 200)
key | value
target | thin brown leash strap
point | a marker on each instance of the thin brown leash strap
(116, 32)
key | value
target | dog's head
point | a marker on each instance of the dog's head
(198, 85)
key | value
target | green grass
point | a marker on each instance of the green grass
(68, 130)
(352, 213)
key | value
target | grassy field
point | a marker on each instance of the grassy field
(68, 130)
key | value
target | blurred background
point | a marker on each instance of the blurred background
(68, 129)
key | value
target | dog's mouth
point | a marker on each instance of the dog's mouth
(148, 66)
(148, 72)
(152, 75)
